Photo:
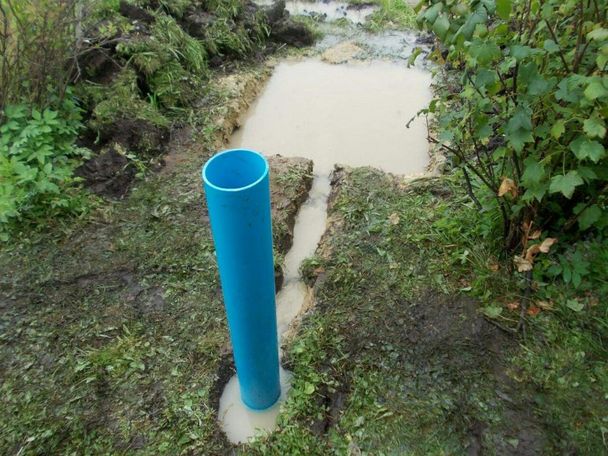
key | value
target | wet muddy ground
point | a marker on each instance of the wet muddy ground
(353, 113)
(114, 337)
(408, 365)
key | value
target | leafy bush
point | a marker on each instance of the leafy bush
(526, 119)
(37, 159)
(40, 41)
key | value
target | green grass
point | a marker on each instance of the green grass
(392, 14)
(113, 334)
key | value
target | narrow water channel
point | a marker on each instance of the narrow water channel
(354, 114)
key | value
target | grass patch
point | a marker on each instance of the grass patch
(392, 14)
(398, 357)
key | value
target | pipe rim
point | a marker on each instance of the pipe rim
(209, 162)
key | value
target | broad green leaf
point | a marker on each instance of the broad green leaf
(536, 192)
(485, 77)
(441, 25)
(575, 305)
(484, 51)
(565, 184)
(599, 34)
(587, 173)
(534, 172)
(584, 148)
(595, 90)
(492, 311)
(503, 8)
(529, 77)
(467, 29)
(570, 89)
(309, 388)
(519, 128)
(483, 129)
(520, 52)
(589, 216)
(489, 5)
(412, 58)
(532, 179)
(558, 128)
(550, 46)
(430, 15)
(594, 127)
(49, 115)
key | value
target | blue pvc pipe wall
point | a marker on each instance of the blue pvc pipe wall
(237, 188)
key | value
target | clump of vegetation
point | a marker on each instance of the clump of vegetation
(39, 43)
(37, 159)
(521, 112)
(172, 62)
(525, 120)
(39, 120)
(120, 100)
(136, 66)
(161, 68)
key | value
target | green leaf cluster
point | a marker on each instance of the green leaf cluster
(527, 100)
(37, 160)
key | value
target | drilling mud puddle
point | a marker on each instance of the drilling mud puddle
(353, 114)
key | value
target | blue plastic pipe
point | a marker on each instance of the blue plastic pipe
(238, 199)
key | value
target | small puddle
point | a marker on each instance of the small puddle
(238, 422)
(331, 11)
(352, 114)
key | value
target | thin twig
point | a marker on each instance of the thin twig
(470, 188)
(561, 52)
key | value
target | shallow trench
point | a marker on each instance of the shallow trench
(353, 114)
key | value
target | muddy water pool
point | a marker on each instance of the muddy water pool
(353, 114)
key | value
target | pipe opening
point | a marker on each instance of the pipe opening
(235, 169)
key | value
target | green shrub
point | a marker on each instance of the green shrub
(39, 44)
(37, 160)
(525, 117)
